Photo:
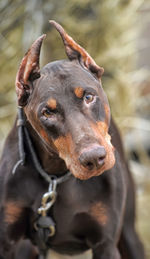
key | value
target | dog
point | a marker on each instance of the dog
(64, 128)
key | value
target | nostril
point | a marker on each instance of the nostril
(86, 162)
(90, 165)
(100, 160)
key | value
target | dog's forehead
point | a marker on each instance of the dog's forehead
(63, 73)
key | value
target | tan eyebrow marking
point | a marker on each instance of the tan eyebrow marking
(52, 103)
(79, 91)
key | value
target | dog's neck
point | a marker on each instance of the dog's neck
(48, 157)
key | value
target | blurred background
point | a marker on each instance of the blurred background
(116, 33)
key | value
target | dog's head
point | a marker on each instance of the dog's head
(66, 105)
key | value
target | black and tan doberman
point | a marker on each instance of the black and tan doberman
(67, 117)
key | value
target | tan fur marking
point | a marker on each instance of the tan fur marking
(44, 135)
(101, 134)
(52, 104)
(63, 145)
(46, 138)
(12, 212)
(66, 149)
(79, 92)
(99, 212)
(107, 113)
(102, 127)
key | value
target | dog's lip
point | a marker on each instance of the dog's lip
(87, 174)
(95, 172)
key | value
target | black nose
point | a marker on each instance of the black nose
(93, 158)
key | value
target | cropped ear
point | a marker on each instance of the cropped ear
(75, 51)
(29, 70)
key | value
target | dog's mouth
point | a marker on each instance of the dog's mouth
(90, 161)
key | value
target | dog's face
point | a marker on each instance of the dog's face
(68, 108)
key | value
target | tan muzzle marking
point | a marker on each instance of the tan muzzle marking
(66, 148)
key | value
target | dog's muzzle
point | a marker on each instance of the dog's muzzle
(93, 158)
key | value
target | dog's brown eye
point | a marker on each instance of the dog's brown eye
(46, 112)
(89, 98)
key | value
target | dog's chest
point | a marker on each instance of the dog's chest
(79, 214)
